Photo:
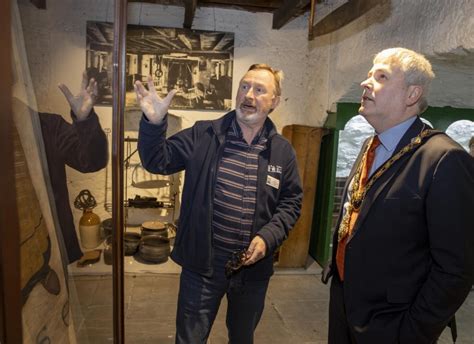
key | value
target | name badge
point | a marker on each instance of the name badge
(273, 182)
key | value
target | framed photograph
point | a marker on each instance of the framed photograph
(198, 64)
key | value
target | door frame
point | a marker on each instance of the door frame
(10, 297)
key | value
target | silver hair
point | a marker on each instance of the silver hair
(416, 68)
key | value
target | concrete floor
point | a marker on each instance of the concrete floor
(296, 311)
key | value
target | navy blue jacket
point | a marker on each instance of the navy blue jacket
(82, 146)
(197, 150)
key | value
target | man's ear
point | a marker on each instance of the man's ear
(414, 94)
(275, 102)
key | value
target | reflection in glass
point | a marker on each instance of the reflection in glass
(61, 149)
(43, 283)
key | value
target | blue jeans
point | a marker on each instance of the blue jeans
(199, 299)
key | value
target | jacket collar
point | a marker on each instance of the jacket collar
(221, 125)
(413, 131)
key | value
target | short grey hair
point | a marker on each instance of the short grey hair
(416, 68)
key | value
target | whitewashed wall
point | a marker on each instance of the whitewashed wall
(443, 30)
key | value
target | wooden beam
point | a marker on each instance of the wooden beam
(243, 5)
(186, 41)
(189, 10)
(344, 14)
(41, 4)
(289, 9)
(312, 14)
(223, 42)
(161, 2)
(264, 4)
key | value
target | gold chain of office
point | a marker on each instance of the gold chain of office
(357, 196)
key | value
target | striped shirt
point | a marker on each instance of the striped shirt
(236, 189)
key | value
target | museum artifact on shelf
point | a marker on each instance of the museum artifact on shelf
(89, 223)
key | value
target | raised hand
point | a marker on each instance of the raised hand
(154, 107)
(82, 103)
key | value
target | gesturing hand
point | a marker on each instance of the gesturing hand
(82, 103)
(256, 250)
(154, 107)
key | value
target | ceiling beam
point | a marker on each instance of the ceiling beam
(189, 10)
(344, 14)
(161, 2)
(263, 4)
(288, 10)
(223, 42)
(247, 5)
(186, 41)
(41, 4)
(162, 32)
(144, 45)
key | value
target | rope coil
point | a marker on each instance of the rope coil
(85, 200)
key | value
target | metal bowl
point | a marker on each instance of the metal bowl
(154, 228)
(154, 249)
(107, 226)
(108, 259)
(130, 243)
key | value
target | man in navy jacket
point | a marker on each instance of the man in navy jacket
(81, 145)
(242, 193)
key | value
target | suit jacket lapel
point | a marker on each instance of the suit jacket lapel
(380, 184)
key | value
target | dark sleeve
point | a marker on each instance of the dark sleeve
(161, 155)
(288, 208)
(82, 145)
(450, 219)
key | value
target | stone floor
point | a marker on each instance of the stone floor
(295, 312)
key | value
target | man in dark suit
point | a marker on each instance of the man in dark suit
(403, 251)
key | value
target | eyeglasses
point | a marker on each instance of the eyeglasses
(235, 262)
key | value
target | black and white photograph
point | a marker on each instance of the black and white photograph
(198, 64)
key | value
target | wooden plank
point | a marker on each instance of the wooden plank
(289, 9)
(189, 10)
(306, 141)
(312, 14)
